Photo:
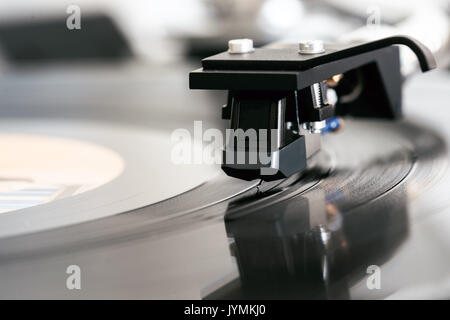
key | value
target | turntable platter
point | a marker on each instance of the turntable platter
(337, 192)
(375, 195)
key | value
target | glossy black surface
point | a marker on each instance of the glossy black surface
(376, 195)
(312, 236)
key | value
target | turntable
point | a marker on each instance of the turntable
(89, 185)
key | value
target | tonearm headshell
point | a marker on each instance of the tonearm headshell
(279, 97)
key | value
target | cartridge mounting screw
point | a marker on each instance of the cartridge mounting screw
(311, 47)
(237, 46)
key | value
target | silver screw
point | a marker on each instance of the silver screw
(316, 91)
(314, 127)
(237, 46)
(311, 47)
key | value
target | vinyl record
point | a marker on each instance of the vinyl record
(303, 236)
(142, 227)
